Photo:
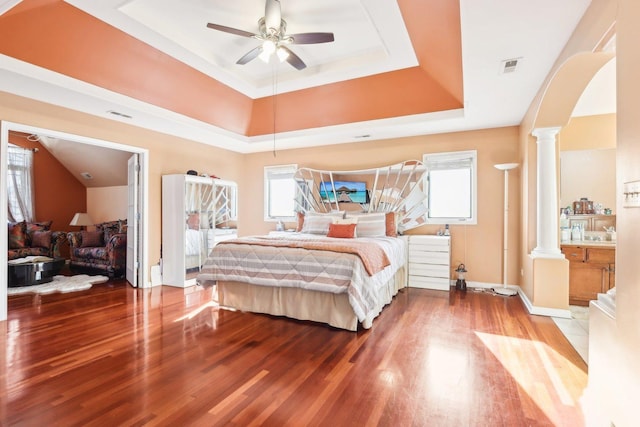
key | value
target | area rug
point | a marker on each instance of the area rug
(79, 282)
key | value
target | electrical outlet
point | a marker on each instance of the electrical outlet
(522, 272)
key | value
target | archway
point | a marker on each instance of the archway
(548, 267)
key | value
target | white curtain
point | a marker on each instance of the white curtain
(20, 183)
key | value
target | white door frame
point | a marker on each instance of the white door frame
(143, 254)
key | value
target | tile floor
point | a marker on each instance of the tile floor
(576, 329)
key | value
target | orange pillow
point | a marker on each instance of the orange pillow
(300, 223)
(345, 231)
(390, 224)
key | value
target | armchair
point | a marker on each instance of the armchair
(104, 249)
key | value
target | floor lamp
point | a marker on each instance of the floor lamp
(506, 167)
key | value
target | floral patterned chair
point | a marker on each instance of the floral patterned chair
(104, 249)
(33, 239)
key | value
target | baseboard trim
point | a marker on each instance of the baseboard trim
(543, 311)
(532, 309)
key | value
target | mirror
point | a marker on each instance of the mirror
(396, 188)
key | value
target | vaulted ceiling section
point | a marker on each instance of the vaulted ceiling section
(57, 36)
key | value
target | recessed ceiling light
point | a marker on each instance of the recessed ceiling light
(86, 175)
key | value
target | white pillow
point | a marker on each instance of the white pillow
(318, 223)
(370, 224)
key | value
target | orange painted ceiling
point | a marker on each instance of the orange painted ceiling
(55, 35)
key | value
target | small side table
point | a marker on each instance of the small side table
(33, 272)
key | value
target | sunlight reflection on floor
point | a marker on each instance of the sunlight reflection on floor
(526, 361)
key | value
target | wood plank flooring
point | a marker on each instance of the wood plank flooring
(114, 355)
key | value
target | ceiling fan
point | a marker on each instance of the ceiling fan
(274, 37)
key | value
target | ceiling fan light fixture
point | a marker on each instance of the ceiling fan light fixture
(273, 33)
(282, 54)
(268, 47)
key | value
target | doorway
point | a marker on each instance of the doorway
(137, 194)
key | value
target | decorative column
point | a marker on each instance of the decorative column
(547, 198)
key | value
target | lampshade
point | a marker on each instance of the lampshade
(82, 219)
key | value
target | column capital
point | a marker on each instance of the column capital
(546, 133)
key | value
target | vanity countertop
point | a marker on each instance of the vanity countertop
(589, 244)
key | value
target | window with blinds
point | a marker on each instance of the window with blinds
(451, 187)
(279, 192)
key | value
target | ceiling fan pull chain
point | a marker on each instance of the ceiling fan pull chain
(275, 92)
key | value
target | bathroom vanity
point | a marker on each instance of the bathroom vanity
(591, 269)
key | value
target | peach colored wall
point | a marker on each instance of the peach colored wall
(107, 203)
(621, 367)
(590, 174)
(473, 245)
(588, 160)
(589, 132)
(550, 279)
(167, 154)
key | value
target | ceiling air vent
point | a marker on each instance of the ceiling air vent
(86, 175)
(119, 114)
(509, 65)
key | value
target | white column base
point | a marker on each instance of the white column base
(547, 253)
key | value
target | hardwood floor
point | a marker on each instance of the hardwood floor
(114, 355)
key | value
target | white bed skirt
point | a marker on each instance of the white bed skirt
(302, 304)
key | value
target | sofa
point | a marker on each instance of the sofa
(33, 239)
(103, 250)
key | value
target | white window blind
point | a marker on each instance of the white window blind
(279, 192)
(451, 187)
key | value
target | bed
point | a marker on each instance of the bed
(281, 276)
(344, 264)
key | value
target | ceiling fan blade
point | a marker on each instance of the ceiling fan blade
(311, 38)
(272, 14)
(252, 54)
(294, 59)
(230, 30)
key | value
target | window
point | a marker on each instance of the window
(19, 183)
(451, 187)
(279, 192)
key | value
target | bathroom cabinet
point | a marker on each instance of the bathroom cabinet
(592, 222)
(591, 271)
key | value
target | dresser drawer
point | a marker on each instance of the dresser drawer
(574, 254)
(419, 257)
(607, 256)
(430, 270)
(441, 284)
(429, 246)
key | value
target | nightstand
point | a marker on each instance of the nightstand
(430, 262)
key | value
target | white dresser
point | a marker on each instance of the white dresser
(430, 262)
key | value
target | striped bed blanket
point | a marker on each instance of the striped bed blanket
(372, 256)
(309, 262)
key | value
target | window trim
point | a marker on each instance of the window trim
(452, 157)
(269, 171)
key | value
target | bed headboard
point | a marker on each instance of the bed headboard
(395, 188)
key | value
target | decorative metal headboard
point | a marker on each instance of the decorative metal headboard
(396, 188)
